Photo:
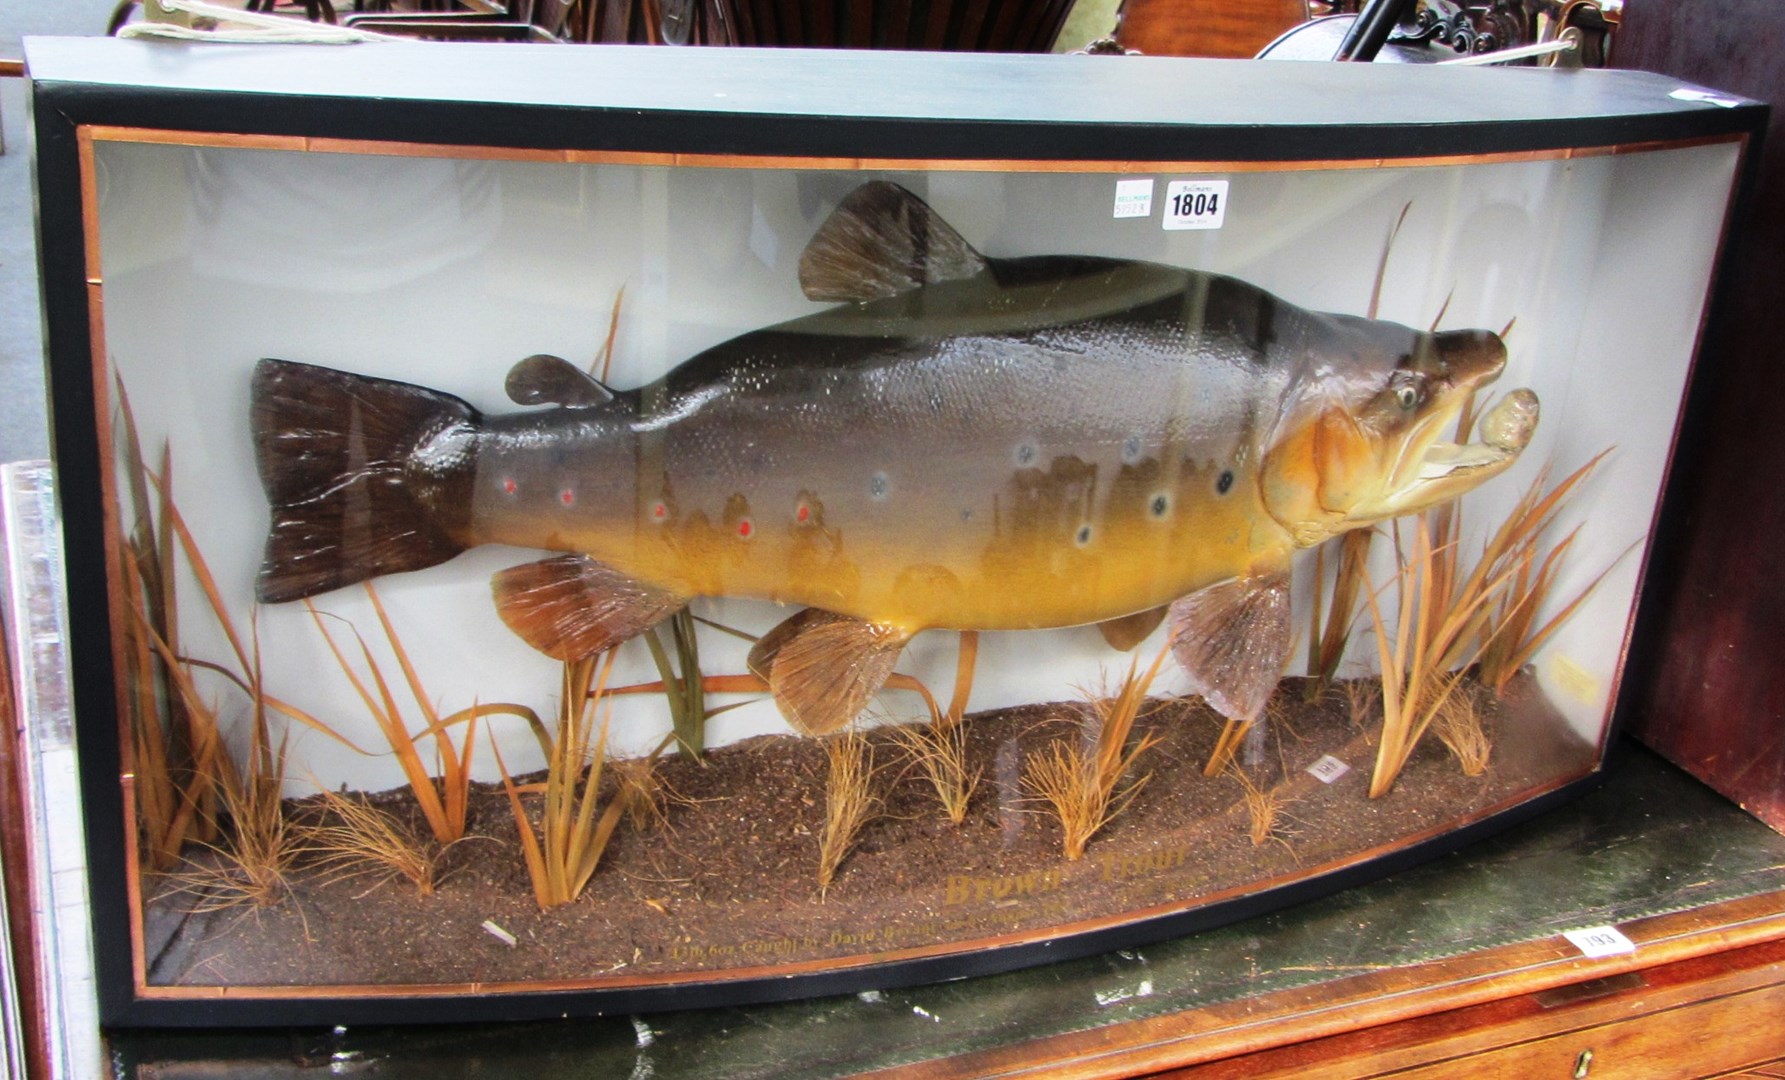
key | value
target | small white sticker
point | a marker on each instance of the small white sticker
(1134, 198)
(1195, 204)
(1597, 941)
(1686, 94)
(491, 928)
(1328, 769)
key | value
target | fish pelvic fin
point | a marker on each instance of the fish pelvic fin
(880, 241)
(1126, 632)
(365, 476)
(823, 667)
(1233, 640)
(571, 606)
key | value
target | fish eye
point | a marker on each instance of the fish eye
(1407, 396)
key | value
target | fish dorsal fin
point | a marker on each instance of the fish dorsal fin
(1126, 632)
(881, 241)
(1232, 639)
(553, 380)
(571, 606)
(822, 667)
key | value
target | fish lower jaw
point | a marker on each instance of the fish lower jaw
(1506, 430)
(1453, 460)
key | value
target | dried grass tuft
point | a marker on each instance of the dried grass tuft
(1363, 702)
(850, 801)
(353, 838)
(1459, 727)
(1264, 809)
(642, 791)
(1084, 781)
(939, 751)
(251, 860)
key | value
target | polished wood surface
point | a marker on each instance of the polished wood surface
(1714, 699)
(1232, 29)
(1529, 998)
(1699, 1017)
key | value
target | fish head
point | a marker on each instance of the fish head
(1364, 438)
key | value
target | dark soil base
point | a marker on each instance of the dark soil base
(729, 880)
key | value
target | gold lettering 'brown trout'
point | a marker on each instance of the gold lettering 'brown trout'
(963, 442)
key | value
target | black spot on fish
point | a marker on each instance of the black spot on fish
(1084, 535)
(1026, 454)
(1159, 506)
(1131, 450)
(1224, 483)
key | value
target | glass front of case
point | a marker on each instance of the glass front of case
(616, 572)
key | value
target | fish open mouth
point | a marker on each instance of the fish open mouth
(1447, 469)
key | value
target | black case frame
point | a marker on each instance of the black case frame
(772, 103)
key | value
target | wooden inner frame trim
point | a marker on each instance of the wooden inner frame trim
(313, 144)
(89, 135)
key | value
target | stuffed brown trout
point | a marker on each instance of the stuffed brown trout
(963, 442)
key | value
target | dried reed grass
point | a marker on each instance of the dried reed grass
(1513, 634)
(562, 855)
(1438, 628)
(1334, 613)
(444, 801)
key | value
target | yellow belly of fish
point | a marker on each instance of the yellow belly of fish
(925, 578)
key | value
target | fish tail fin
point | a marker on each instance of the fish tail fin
(365, 476)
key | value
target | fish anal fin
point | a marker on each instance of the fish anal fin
(1126, 632)
(881, 241)
(823, 667)
(1233, 640)
(571, 606)
(553, 380)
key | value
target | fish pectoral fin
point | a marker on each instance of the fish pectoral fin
(823, 667)
(553, 380)
(1233, 641)
(880, 241)
(571, 606)
(1130, 630)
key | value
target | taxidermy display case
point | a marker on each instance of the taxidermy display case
(558, 530)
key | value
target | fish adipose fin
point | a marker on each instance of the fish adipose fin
(881, 241)
(571, 606)
(822, 667)
(553, 380)
(1233, 639)
(365, 476)
(1130, 630)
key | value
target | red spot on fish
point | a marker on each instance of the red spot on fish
(567, 496)
(745, 528)
(508, 484)
(803, 514)
(659, 511)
